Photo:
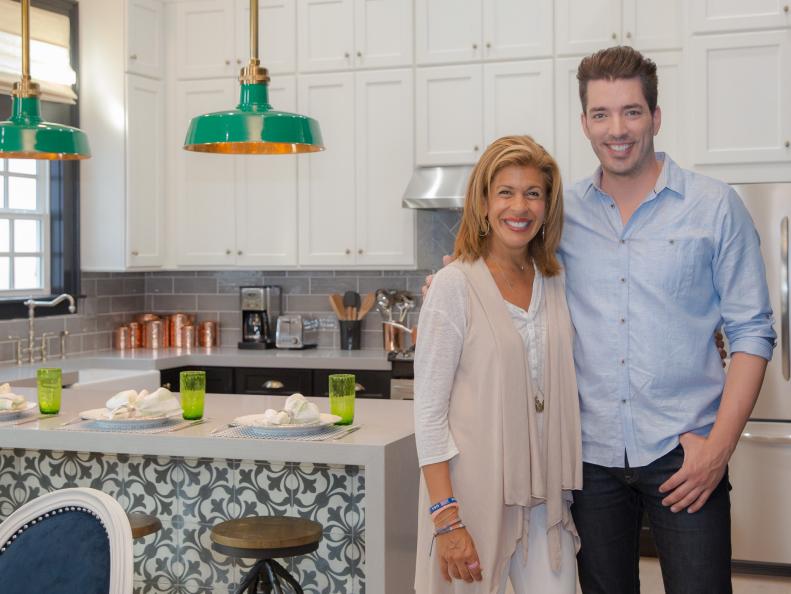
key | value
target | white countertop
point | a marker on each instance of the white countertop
(383, 423)
(373, 359)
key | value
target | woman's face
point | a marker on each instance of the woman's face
(515, 207)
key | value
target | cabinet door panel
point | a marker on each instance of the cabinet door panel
(326, 179)
(325, 35)
(449, 124)
(572, 149)
(145, 20)
(276, 34)
(518, 100)
(385, 141)
(205, 39)
(383, 33)
(747, 122)
(266, 219)
(584, 26)
(206, 220)
(737, 15)
(447, 31)
(517, 29)
(145, 171)
(650, 25)
(673, 131)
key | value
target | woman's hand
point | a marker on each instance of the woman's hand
(458, 558)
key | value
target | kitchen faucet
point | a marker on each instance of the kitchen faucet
(31, 347)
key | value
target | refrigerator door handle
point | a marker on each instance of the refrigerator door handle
(784, 299)
(770, 439)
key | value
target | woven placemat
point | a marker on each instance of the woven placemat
(170, 425)
(324, 434)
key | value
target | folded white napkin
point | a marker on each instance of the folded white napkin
(301, 410)
(131, 404)
(9, 400)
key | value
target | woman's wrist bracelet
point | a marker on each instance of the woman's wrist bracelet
(440, 504)
(445, 530)
(446, 507)
(443, 517)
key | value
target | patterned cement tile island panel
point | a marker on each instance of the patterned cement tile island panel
(190, 495)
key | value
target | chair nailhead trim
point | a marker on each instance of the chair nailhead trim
(59, 510)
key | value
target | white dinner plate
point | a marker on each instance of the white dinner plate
(99, 417)
(255, 423)
(11, 413)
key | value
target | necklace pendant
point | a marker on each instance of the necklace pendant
(539, 405)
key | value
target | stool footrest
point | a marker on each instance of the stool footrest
(269, 573)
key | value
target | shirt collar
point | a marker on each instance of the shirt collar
(670, 176)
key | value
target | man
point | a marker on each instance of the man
(656, 258)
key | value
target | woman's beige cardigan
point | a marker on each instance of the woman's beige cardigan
(499, 470)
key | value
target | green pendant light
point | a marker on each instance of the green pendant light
(254, 127)
(26, 135)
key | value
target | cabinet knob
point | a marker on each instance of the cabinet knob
(360, 251)
(359, 54)
(227, 252)
(788, 143)
(348, 251)
(475, 46)
(488, 45)
(628, 35)
(785, 9)
(135, 253)
(273, 385)
(239, 253)
(133, 57)
(346, 55)
(475, 148)
(614, 36)
(227, 62)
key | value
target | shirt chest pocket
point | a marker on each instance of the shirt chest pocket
(673, 265)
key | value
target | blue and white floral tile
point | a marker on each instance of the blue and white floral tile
(153, 554)
(260, 489)
(206, 494)
(12, 489)
(207, 568)
(151, 484)
(321, 492)
(48, 470)
(327, 570)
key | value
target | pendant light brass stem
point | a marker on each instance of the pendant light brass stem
(254, 29)
(252, 73)
(25, 87)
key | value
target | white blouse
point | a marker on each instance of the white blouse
(442, 326)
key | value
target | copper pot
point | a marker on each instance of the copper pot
(208, 333)
(146, 317)
(121, 338)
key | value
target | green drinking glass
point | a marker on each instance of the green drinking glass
(49, 384)
(192, 385)
(342, 397)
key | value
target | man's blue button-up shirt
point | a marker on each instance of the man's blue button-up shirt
(645, 299)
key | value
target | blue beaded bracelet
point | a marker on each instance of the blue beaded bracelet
(439, 505)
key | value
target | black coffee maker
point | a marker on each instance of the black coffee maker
(260, 310)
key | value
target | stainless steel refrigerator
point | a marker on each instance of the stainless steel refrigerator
(760, 469)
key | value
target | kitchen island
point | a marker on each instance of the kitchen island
(362, 488)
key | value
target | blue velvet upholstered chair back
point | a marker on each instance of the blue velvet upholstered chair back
(67, 542)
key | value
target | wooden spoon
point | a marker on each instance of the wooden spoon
(336, 301)
(366, 305)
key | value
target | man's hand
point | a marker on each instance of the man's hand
(699, 475)
(424, 289)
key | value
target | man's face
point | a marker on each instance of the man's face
(620, 126)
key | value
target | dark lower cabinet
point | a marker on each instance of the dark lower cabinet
(219, 380)
(273, 381)
(370, 384)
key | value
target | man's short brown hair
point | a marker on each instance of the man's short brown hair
(615, 63)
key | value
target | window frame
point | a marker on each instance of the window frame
(64, 193)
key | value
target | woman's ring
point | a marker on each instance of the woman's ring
(474, 565)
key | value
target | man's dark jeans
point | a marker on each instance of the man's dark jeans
(694, 549)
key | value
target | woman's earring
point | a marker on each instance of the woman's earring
(543, 228)
(485, 231)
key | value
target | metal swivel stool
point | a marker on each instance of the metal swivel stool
(143, 524)
(267, 538)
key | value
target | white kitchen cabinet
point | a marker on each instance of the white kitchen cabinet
(466, 30)
(350, 195)
(449, 118)
(746, 122)
(145, 171)
(385, 161)
(733, 15)
(145, 38)
(518, 99)
(205, 43)
(345, 34)
(276, 35)
(460, 109)
(233, 210)
(122, 186)
(585, 26)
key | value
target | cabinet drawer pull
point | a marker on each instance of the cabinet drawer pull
(273, 385)
(359, 388)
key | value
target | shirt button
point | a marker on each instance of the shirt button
(623, 400)
(623, 362)
(623, 321)
(612, 204)
(623, 241)
(623, 280)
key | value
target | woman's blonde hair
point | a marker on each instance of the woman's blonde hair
(473, 239)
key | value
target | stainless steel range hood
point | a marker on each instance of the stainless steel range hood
(437, 187)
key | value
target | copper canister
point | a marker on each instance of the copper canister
(135, 335)
(207, 334)
(177, 322)
(146, 317)
(121, 340)
(154, 334)
(187, 336)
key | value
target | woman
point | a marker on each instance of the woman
(496, 411)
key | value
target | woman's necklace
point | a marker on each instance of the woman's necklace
(538, 402)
